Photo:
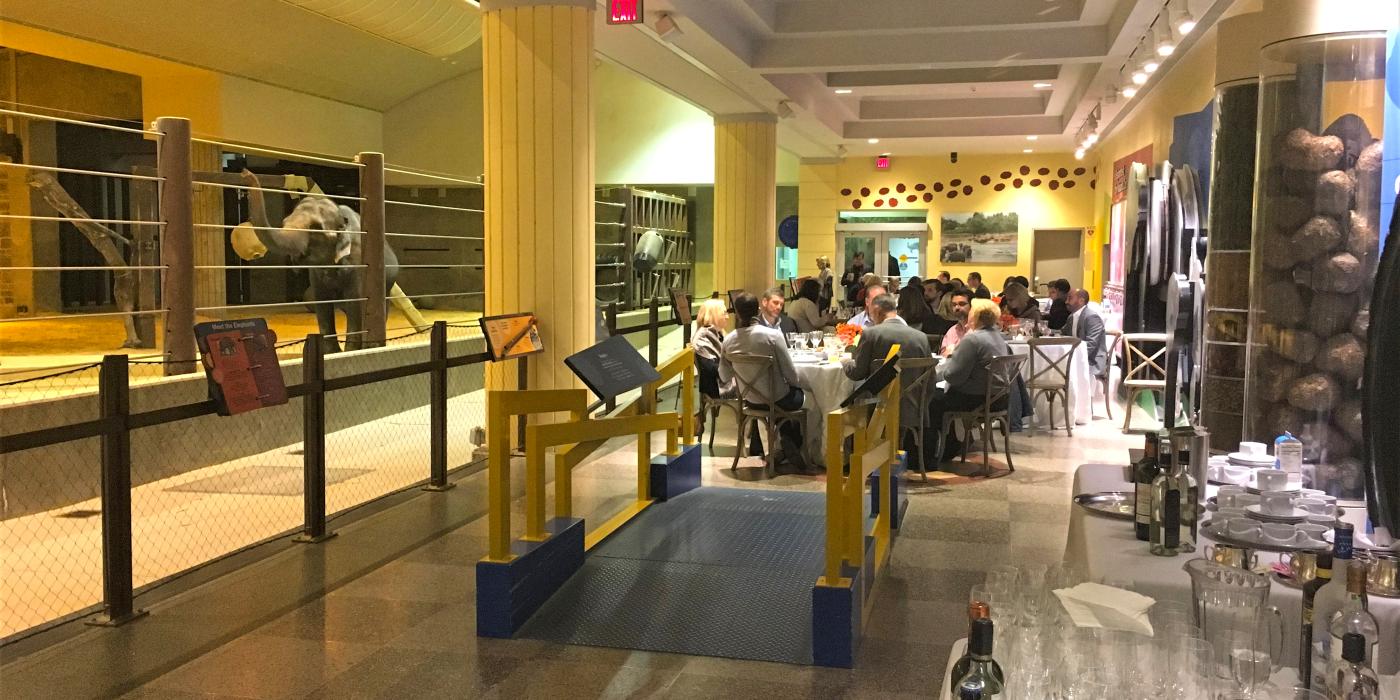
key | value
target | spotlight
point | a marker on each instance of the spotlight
(1139, 78)
(872, 141)
(1042, 86)
(1182, 19)
(1150, 64)
(1165, 47)
(1079, 154)
(843, 91)
(1129, 91)
(1092, 138)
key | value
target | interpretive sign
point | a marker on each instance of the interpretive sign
(611, 368)
(876, 382)
(511, 336)
(733, 294)
(240, 360)
(680, 306)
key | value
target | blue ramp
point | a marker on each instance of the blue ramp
(713, 572)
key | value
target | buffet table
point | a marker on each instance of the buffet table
(1105, 548)
(1081, 384)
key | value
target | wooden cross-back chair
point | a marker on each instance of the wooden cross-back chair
(1144, 372)
(1002, 373)
(919, 392)
(1050, 376)
(757, 407)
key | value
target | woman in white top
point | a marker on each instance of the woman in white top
(824, 278)
(710, 325)
(806, 311)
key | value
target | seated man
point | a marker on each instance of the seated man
(751, 337)
(1087, 326)
(965, 371)
(862, 319)
(771, 312)
(961, 305)
(888, 330)
(1059, 308)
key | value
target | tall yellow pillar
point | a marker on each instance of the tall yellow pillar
(537, 68)
(818, 204)
(746, 182)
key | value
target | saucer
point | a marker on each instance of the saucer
(1248, 460)
(1253, 488)
(1257, 512)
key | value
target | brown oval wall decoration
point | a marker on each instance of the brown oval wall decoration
(1062, 173)
(919, 187)
(865, 191)
(1079, 171)
(855, 203)
(986, 179)
(967, 189)
(846, 192)
(937, 187)
(879, 202)
(928, 196)
(1006, 174)
(894, 201)
(1093, 184)
(899, 188)
(1069, 184)
(1035, 182)
(912, 198)
(1043, 171)
(1054, 184)
(1025, 170)
(955, 182)
(1000, 186)
(884, 190)
(952, 194)
(1017, 183)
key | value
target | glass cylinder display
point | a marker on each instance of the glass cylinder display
(1315, 248)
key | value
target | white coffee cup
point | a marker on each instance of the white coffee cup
(1271, 479)
(1242, 528)
(1254, 449)
(1276, 502)
(1227, 513)
(1246, 500)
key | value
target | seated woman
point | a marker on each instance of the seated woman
(710, 324)
(913, 308)
(806, 310)
(965, 370)
(1017, 301)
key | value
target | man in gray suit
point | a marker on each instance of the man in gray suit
(1087, 326)
(887, 329)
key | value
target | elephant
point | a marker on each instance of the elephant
(321, 232)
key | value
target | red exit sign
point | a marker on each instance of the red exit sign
(624, 11)
(882, 161)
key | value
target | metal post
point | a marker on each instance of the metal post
(685, 331)
(437, 402)
(522, 382)
(653, 332)
(118, 594)
(375, 289)
(610, 321)
(313, 437)
(177, 243)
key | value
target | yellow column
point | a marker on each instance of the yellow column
(818, 203)
(537, 68)
(746, 182)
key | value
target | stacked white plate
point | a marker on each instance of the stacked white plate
(1251, 460)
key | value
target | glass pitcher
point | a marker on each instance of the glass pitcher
(1231, 608)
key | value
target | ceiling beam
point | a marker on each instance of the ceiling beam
(845, 16)
(922, 50)
(929, 128)
(941, 76)
(952, 108)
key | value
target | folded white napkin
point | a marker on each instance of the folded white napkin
(1097, 605)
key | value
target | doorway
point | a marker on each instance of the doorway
(1058, 254)
(894, 250)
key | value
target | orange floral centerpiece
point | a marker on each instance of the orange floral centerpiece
(847, 332)
(1009, 322)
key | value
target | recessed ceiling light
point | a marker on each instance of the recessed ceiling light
(1028, 150)
(872, 140)
(1041, 86)
(1032, 137)
(1129, 91)
(843, 91)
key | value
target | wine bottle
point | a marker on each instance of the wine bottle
(1329, 599)
(1353, 618)
(1353, 679)
(984, 678)
(1305, 657)
(1172, 528)
(976, 610)
(1145, 470)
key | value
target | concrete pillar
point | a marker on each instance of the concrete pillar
(818, 203)
(537, 68)
(746, 182)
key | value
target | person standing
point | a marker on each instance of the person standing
(824, 279)
(852, 279)
(913, 309)
(1085, 324)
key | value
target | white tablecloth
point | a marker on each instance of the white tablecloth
(1081, 384)
(826, 386)
(1102, 547)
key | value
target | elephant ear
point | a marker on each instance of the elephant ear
(349, 229)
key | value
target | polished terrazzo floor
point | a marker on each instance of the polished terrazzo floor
(402, 624)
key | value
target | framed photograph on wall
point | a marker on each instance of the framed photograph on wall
(979, 237)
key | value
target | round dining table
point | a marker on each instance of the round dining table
(826, 386)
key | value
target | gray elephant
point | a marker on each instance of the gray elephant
(320, 232)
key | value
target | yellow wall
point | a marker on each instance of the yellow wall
(647, 135)
(822, 195)
(438, 129)
(1186, 88)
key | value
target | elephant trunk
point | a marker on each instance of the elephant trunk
(289, 243)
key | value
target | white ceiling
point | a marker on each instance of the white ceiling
(926, 76)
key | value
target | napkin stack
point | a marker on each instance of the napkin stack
(1097, 605)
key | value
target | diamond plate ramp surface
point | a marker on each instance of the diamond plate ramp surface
(715, 572)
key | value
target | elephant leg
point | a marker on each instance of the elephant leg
(354, 325)
(325, 323)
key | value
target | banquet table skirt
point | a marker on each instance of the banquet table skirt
(1105, 548)
(1081, 384)
(826, 387)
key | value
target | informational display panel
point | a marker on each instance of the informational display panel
(680, 306)
(875, 383)
(733, 294)
(511, 336)
(611, 368)
(240, 360)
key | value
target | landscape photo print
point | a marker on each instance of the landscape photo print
(980, 237)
